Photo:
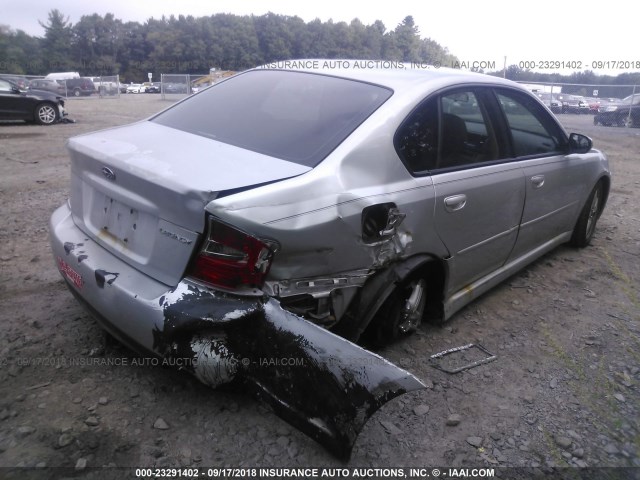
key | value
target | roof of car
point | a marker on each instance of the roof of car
(390, 74)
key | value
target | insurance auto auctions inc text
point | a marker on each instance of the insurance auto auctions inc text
(361, 473)
(381, 64)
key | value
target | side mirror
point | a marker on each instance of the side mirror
(579, 143)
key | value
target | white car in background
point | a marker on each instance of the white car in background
(135, 88)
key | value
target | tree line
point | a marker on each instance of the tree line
(104, 45)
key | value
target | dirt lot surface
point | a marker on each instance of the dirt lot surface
(563, 392)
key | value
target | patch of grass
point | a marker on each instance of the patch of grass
(589, 389)
(627, 285)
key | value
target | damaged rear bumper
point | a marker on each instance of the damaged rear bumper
(318, 382)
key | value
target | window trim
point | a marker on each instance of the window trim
(486, 93)
(483, 93)
(545, 122)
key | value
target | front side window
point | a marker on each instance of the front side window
(452, 130)
(532, 130)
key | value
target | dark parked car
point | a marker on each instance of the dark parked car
(573, 103)
(33, 106)
(624, 113)
(553, 103)
(47, 85)
(79, 87)
(154, 87)
(176, 88)
(238, 226)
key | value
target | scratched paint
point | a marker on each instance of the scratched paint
(103, 276)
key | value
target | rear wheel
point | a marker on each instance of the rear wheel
(46, 113)
(586, 226)
(401, 314)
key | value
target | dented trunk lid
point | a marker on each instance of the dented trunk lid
(140, 190)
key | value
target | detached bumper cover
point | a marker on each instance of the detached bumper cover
(318, 382)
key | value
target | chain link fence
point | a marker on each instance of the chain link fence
(174, 86)
(107, 87)
(607, 105)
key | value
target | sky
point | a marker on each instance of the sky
(544, 35)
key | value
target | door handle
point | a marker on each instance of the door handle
(455, 202)
(537, 181)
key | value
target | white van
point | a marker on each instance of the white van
(62, 75)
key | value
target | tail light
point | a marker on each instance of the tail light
(232, 259)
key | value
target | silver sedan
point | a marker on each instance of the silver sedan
(238, 231)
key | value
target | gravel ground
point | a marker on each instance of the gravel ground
(563, 391)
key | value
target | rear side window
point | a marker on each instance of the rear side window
(449, 131)
(295, 116)
(532, 131)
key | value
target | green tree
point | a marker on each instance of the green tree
(57, 42)
(97, 41)
(321, 39)
(374, 39)
(275, 38)
(407, 40)
(19, 52)
(134, 52)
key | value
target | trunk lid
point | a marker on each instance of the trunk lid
(140, 190)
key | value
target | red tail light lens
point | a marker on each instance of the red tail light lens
(232, 259)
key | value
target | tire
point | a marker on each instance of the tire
(46, 113)
(391, 321)
(586, 225)
(77, 92)
(624, 121)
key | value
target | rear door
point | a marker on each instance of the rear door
(479, 193)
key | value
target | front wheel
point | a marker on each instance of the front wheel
(46, 114)
(586, 226)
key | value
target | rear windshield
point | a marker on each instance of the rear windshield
(295, 116)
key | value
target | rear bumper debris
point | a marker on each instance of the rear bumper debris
(322, 384)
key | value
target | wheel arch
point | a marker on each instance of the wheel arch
(582, 231)
(381, 285)
(606, 187)
(605, 180)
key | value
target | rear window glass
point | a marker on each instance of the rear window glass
(295, 116)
